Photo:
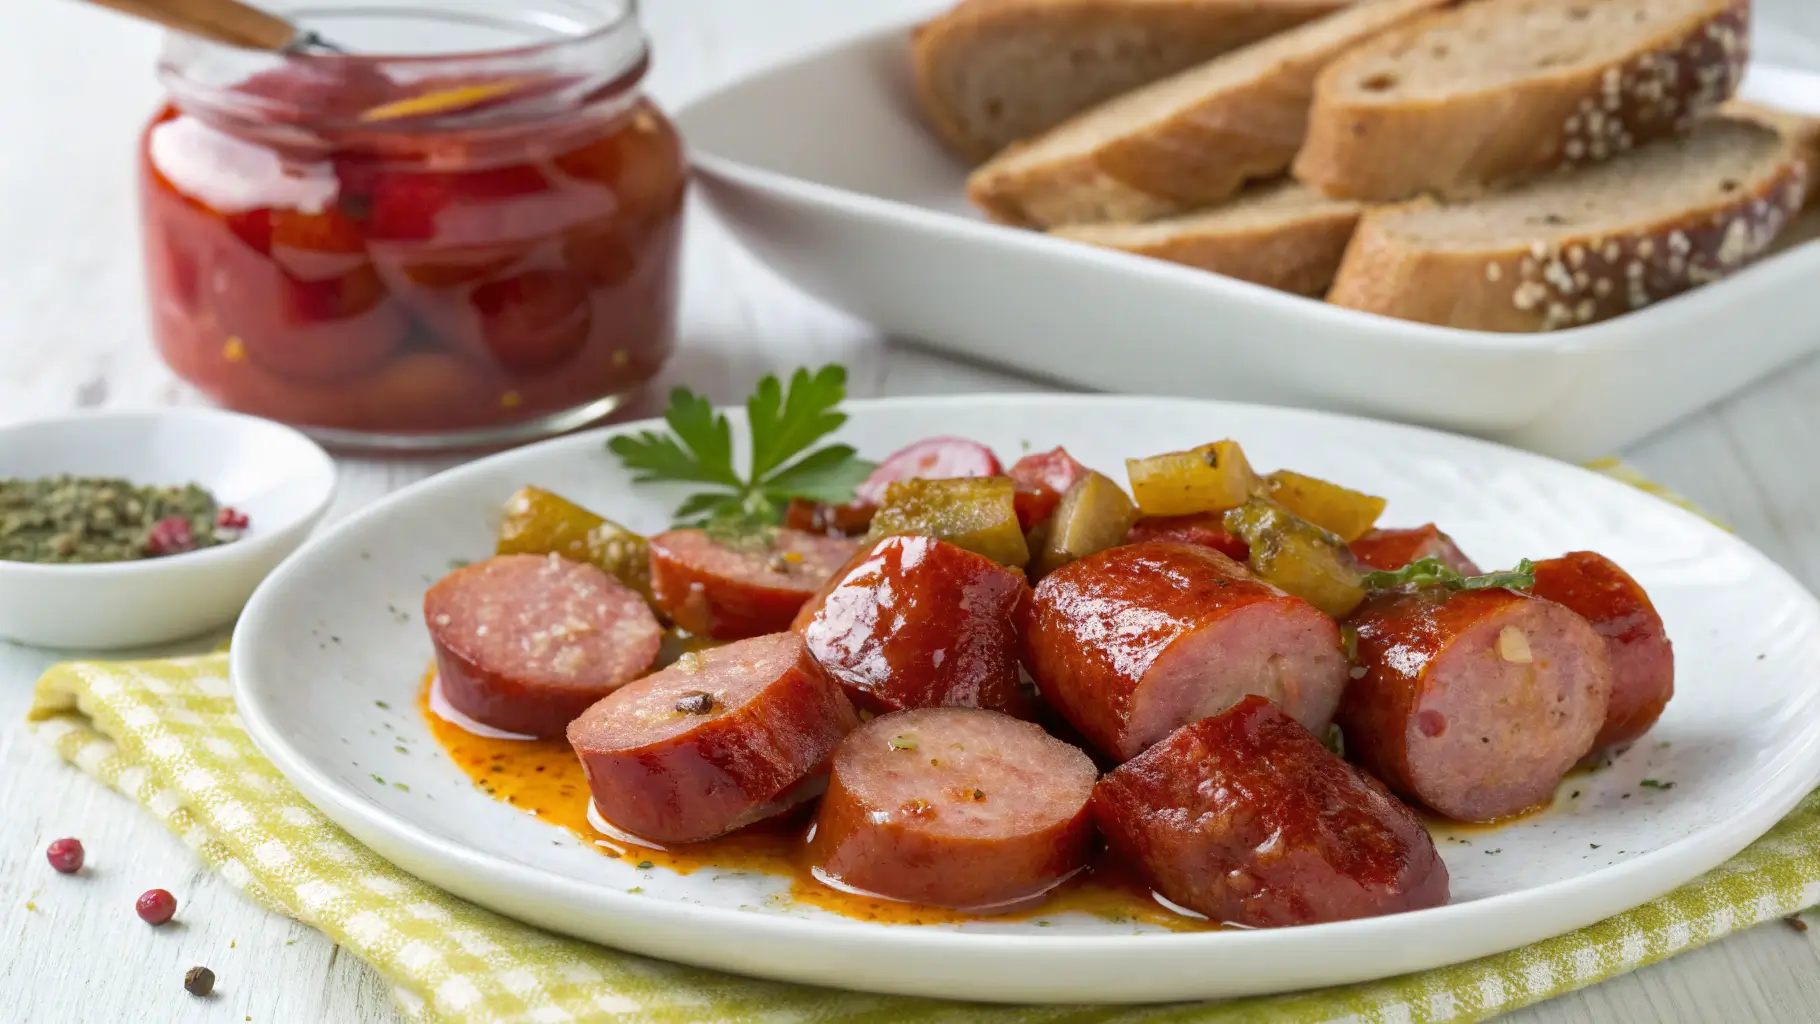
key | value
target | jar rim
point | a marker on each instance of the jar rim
(606, 54)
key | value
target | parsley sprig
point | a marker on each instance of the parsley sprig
(785, 423)
(1432, 572)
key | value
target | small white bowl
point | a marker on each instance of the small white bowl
(282, 480)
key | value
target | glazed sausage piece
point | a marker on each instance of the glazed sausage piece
(719, 740)
(1134, 642)
(916, 622)
(731, 591)
(934, 458)
(1246, 818)
(525, 643)
(1642, 659)
(1042, 478)
(953, 807)
(1206, 529)
(1391, 550)
(1475, 703)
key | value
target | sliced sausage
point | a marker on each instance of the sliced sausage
(1391, 550)
(1207, 529)
(1642, 659)
(935, 458)
(730, 591)
(1042, 478)
(719, 740)
(1476, 702)
(849, 520)
(525, 643)
(1134, 642)
(1246, 818)
(953, 807)
(916, 622)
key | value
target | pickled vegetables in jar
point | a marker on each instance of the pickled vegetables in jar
(471, 242)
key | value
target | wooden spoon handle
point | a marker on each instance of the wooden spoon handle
(224, 21)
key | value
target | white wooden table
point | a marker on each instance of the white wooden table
(75, 85)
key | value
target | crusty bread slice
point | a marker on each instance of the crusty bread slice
(1502, 89)
(1282, 235)
(992, 72)
(1568, 250)
(1188, 141)
(1801, 129)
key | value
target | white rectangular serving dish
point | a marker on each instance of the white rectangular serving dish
(823, 167)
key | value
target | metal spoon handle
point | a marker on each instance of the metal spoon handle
(224, 21)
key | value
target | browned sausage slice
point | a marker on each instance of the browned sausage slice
(525, 643)
(1133, 643)
(1247, 819)
(953, 807)
(916, 622)
(1391, 550)
(1642, 659)
(730, 591)
(1475, 703)
(721, 739)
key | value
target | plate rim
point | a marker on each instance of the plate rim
(1787, 781)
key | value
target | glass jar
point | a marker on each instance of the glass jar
(465, 233)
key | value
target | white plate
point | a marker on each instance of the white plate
(278, 477)
(337, 628)
(823, 168)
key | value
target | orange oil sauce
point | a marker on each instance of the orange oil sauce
(544, 779)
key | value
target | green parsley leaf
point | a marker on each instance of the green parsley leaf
(785, 424)
(1432, 572)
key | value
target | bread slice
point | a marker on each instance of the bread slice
(992, 72)
(1801, 129)
(1188, 141)
(1283, 235)
(1569, 250)
(1502, 89)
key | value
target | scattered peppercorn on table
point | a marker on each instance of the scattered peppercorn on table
(76, 949)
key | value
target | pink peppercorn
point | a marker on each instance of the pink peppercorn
(169, 536)
(156, 906)
(65, 855)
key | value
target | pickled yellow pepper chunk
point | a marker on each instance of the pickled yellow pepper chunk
(976, 513)
(1211, 478)
(538, 522)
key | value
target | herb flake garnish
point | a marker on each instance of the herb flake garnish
(785, 425)
(1432, 572)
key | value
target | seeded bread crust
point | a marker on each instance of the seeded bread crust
(1179, 144)
(1283, 236)
(1459, 146)
(1571, 279)
(991, 72)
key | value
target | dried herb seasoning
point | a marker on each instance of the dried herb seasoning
(70, 519)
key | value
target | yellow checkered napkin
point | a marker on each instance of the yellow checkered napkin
(165, 734)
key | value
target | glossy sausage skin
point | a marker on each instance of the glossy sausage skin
(1042, 478)
(1245, 817)
(525, 643)
(1207, 529)
(1391, 550)
(953, 807)
(1134, 642)
(1642, 659)
(731, 591)
(1475, 703)
(916, 622)
(720, 739)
